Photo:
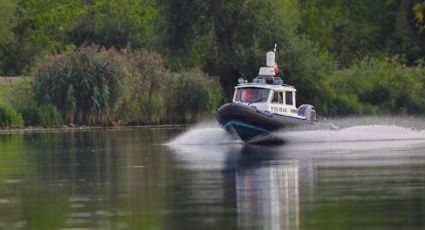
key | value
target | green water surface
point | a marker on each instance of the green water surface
(129, 178)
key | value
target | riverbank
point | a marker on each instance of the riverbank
(31, 129)
(10, 88)
(122, 88)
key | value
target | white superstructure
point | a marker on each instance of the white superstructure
(267, 91)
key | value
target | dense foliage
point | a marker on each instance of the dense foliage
(9, 117)
(93, 85)
(323, 47)
(193, 94)
(85, 85)
(374, 86)
(147, 91)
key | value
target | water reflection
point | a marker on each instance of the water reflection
(263, 181)
(267, 190)
(312, 186)
(126, 179)
(98, 179)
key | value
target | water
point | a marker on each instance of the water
(366, 174)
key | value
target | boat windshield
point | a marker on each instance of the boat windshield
(251, 94)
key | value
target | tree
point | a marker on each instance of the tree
(7, 20)
(236, 35)
(116, 24)
(352, 30)
(86, 85)
(419, 10)
(39, 29)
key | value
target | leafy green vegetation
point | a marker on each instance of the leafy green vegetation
(9, 117)
(85, 85)
(374, 86)
(97, 86)
(147, 88)
(7, 20)
(193, 94)
(419, 9)
(20, 96)
(102, 61)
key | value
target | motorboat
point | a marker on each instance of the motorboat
(264, 106)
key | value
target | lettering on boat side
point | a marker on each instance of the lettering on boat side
(278, 109)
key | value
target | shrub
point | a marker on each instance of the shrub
(86, 85)
(9, 118)
(21, 98)
(44, 115)
(375, 86)
(98, 86)
(148, 85)
(193, 94)
(158, 96)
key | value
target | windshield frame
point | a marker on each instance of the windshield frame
(251, 95)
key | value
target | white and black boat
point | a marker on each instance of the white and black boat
(264, 106)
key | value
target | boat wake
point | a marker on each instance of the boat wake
(207, 145)
(210, 133)
(353, 134)
(205, 133)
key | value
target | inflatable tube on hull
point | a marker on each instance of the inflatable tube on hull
(249, 122)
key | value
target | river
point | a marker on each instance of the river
(357, 176)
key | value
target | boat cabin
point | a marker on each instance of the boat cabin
(263, 106)
(268, 94)
(267, 91)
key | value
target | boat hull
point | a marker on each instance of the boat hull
(250, 123)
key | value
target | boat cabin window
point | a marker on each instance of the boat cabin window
(251, 95)
(289, 98)
(277, 97)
